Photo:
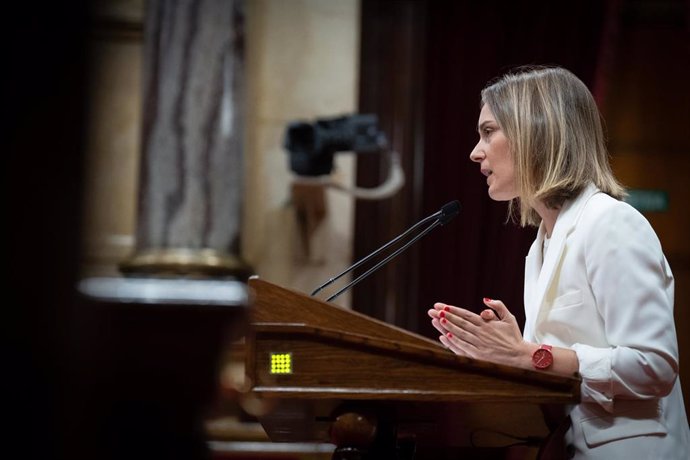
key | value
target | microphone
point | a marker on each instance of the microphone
(441, 217)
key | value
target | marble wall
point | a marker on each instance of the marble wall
(302, 63)
(113, 136)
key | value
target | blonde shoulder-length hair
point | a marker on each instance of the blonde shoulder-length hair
(555, 134)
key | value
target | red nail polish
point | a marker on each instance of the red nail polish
(446, 308)
(443, 321)
(486, 299)
(442, 314)
(450, 336)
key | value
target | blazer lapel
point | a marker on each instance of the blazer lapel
(565, 224)
(533, 263)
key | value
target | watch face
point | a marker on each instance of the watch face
(542, 358)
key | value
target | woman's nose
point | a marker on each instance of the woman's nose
(476, 154)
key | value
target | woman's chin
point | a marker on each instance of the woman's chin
(502, 193)
(498, 196)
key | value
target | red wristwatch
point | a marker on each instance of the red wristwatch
(542, 358)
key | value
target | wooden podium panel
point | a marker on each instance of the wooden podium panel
(316, 360)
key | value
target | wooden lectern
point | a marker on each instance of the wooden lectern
(378, 391)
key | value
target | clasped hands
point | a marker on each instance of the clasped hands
(493, 335)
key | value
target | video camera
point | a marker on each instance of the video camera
(312, 146)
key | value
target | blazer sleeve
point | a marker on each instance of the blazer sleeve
(633, 290)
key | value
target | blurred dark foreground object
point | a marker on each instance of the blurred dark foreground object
(146, 357)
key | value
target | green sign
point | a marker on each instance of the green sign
(648, 200)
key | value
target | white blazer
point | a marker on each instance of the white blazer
(605, 290)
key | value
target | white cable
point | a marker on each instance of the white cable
(393, 183)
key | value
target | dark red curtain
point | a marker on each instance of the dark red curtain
(465, 45)
(468, 44)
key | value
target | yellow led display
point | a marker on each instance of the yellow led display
(281, 363)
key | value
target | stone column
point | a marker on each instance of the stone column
(190, 189)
